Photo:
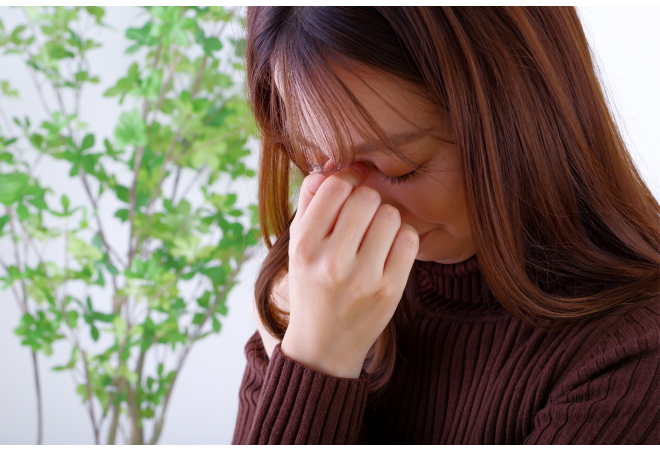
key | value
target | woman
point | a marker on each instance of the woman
(473, 257)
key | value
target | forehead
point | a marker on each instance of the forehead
(351, 106)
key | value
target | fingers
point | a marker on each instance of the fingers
(379, 237)
(402, 255)
(309, 187)
(320, 214)
(353, 221)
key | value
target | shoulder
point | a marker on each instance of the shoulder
(630, 329)
(609, 392)
(625, 341)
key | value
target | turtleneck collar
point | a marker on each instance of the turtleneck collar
(455, 287)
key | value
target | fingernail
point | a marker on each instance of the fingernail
(361, 169)
(315, 182)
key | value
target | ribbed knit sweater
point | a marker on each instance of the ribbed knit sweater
(470, 373)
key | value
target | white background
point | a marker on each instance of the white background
(204, 404)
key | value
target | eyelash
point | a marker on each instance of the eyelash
(403, 178)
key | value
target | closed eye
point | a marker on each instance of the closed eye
(401, 178)
(406, 176)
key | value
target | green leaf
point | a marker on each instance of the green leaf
(72, 318)
(131, 130)
(122, 193)
(75, 356)
(88, 142)
(82, 251)
(96, 11)
(122, 214)
(216, 324)
(7, 90)
(212, 44)
(120, 327)
(22, 212)
(197, 318)
(65, 202)
(3, 221)
(95, 333)
(57, 51)
(203, 301)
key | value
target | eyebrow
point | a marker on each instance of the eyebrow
(397, 139)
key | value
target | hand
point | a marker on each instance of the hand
(349, 260)
(281, 300)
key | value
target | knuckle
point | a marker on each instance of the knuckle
(369, 195)
(338, 186)
(409, 237)
(300, 250)
(385, 292)
(357, 290)
(390, 213)
(332, 270)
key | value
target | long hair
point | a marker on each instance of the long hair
(564, 225)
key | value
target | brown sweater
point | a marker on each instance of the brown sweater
(470, 373)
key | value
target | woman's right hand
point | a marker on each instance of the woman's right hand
(349, 260)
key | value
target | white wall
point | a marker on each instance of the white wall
(205, 401)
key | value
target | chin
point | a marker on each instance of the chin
(444, 252)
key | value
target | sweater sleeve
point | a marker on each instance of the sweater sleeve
(286, 402)
(612, 397)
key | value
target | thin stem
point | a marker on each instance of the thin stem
(18, 258)
(35, 367)
(76, 342)
(32, 72)
(176, 183)
(98, 221)
(120, 385)
(30, 241)
(6, 120)
(41, 93)
(137, 436)
(114, 424)
(13, 288)
(161, 419)
(89, 397)
(131, 212)
(123, 432)
(37, 384)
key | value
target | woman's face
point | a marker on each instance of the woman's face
(430, 195)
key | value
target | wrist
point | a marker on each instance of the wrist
(335, 363)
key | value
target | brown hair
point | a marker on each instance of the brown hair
(564, 225)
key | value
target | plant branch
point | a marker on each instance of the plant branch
(40, 93)
(37, 384)
(161, 419)
(100, 225)
(17, 297)
(176, 183)
(25, 310)
(30, 241)
(5, 119)
(17, 256)
(89, 395)
(131, 212)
